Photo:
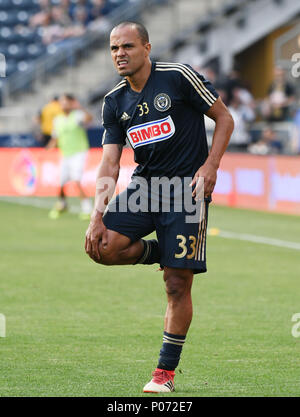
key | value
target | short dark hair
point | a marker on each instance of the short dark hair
(142, 31)
(69, 96)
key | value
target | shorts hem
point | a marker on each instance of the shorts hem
(115, 229)
(195, 270)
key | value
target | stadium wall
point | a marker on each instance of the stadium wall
(270, 183)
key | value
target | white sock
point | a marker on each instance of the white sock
(86, 206)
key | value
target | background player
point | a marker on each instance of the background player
(70, 136)
(173, 98)
(45, 119)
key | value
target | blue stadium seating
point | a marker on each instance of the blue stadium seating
(6, 5)
(22, 44)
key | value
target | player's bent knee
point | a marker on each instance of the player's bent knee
(111, 254)
(108, 255)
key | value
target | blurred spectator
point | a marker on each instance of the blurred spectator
(45, 119)
(98, 8)
(52, 33)
(98, 11)
(208, 73)
(281, 95)
(43, 18)
(81, 16)
(61, 27)
(68, 19)
(66, 6)
(60, 17)
(267, 144)
(243, 114)
(222, 91)
(231, 82)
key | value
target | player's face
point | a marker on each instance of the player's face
(128, 52)
(65, 103)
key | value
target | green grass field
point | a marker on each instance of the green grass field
(75, 328)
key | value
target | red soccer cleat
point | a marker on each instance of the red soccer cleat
(162, 381)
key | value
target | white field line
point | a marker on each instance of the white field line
(41, 203)
(36, 202)
(258, 239)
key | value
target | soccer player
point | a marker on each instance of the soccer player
(45, 119)
(159, 107)
(69, 135)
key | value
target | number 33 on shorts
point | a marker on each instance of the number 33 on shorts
(183, 245)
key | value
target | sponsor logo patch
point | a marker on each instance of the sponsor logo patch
(151, 132)
(162, 102)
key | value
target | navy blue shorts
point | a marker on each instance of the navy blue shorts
(182, 242)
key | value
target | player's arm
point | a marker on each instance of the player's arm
(52, 143)
(85, 117)
(223, 130)
(107, 177)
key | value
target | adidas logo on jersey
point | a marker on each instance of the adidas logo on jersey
(151, 132)
(125, 116)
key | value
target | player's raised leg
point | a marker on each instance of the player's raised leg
(177, 322)
(114, 248)
(119, 250)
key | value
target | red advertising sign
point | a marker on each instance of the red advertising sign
(270, 183)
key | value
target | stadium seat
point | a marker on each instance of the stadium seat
(6, 5)
(8, 36)
(3, 49)
(23, 17)
(26, 4)
(34, 51)
(11, 67)
(8, 18)
(14, 51)
(29, 36)
(22, 45)
(24, 66)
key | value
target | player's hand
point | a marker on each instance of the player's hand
(204, 181)
(95, 232)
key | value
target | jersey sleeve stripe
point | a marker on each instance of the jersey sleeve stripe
(103, 104)
(116, 87)
(191, 77)
(103, 137)
(192, 74)
(208, 101)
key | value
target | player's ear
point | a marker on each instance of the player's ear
(148, 48)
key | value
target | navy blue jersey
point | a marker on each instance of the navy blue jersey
(164, 123)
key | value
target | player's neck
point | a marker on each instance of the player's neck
(138, 80)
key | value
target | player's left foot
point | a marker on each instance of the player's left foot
(85, 209)
(59, 207)
(84, 216)
(162, 381)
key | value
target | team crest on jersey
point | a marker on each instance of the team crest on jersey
(151, 132)
(162, 102)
